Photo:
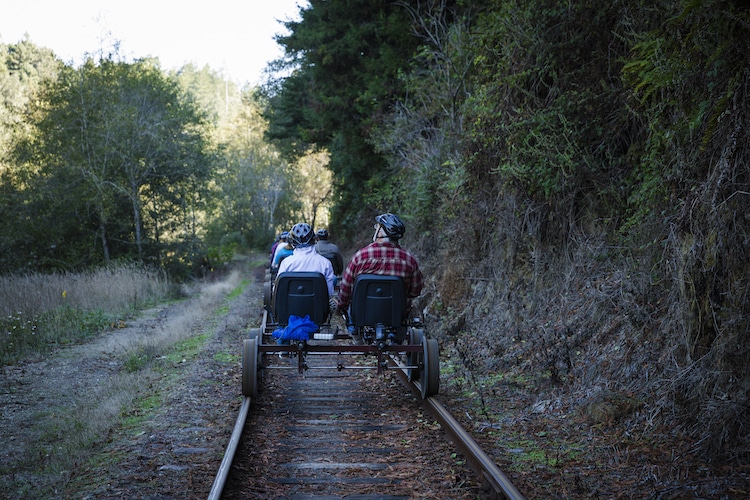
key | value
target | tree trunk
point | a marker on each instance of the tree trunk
(136, 200)
(105, 243)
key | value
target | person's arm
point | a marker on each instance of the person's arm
(416, 283)
(329, 279)
(345, 287)
(280, 254)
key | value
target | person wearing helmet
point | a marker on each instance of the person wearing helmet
(305, 258)
(283, 250)
(383, 256)
(275, 245)
(330, 251)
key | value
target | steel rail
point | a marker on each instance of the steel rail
(491, 476)
(226, 463)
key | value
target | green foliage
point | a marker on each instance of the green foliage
(547, 113)
(516, 134)
(254, 189)
(22, 66)
(685, 75)
(421, 136)
(345, 58)
(24, 335)
(212, 92)
(40, 311)
(116, 166)
(691, 79)
(218, 256)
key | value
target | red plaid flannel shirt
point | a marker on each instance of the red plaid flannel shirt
(386, 258)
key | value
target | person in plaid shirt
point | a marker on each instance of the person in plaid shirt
(382, 256)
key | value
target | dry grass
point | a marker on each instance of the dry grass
(605, 335)
(38, 311)
(112, 382)
(111, 289)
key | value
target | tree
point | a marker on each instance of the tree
(22, 66)
(120, 138)
(254, 183)
(421, 135)
(219, 97)
(344, 59)
(315, 186)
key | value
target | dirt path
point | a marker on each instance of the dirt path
(138, 412)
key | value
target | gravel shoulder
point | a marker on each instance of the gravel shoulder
(81, 424)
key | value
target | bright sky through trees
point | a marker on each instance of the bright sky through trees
(231, 36)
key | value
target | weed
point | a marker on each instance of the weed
(529, 453)
(238, 290)
(141, 409)
(138, 359)
(226, 357)
(187, 349)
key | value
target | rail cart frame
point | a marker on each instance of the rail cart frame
(378, 326)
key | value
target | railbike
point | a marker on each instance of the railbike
(377, 326)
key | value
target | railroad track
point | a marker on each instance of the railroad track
(331, 433)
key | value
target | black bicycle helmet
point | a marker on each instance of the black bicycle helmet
(322, 234)
(392, 225)
(301, 235)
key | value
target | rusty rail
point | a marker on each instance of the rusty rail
(493, 479)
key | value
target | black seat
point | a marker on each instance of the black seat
(300, 294)
(378, 300)
(335, 261)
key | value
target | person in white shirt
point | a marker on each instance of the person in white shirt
(305, 258)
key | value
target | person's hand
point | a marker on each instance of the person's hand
(333, 305)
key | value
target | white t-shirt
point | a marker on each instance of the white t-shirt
(307, 259)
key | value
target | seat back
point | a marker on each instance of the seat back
(300, 294)
(337, 267)
(377, 300)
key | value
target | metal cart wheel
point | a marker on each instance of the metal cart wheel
(430, 373)
(250, 367)
(416, 335)
(257, 334)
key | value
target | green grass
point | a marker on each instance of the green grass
(227, 357)
(141, 410)
(187, 349)
(529, 453)
(238, 290)
(138, 359)
(74, 435)
(24, 335)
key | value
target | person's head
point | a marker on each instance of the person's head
(284, 236)
(301, 235)
(322, 234)
(389, 226)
